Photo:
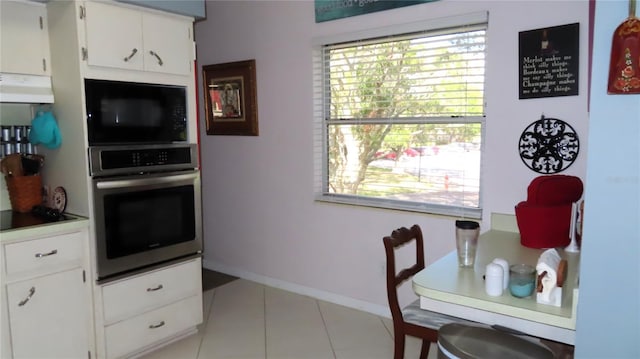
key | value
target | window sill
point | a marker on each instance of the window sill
(426, 208)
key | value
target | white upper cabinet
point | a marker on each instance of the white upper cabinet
(114, 36)
(24, 39)
(168, 44)
(127, 38)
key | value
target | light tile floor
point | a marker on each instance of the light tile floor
(247, 320)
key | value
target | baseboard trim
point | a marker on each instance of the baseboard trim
(345, 301)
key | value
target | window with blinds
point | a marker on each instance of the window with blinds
(400, 120)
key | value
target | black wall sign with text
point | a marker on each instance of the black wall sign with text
(549, 60)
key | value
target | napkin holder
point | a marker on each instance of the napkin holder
(552, 271)
(575, 227)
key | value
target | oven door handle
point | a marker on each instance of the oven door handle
(146, 181)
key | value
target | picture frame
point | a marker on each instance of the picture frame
(230, 98)
(549, 61)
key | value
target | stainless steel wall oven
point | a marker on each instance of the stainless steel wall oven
(147, 206)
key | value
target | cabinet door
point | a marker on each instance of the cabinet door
(168, 46)
(24, 39)
(114, 36)
(48, 316)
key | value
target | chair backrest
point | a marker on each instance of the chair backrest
(398, 238)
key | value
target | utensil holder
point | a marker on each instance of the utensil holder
(24, 192)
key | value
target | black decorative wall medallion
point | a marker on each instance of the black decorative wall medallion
(549, 145)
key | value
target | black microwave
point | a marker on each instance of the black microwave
(135, 113)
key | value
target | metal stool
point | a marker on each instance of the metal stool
(459, 341)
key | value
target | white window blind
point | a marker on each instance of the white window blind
(400, 120)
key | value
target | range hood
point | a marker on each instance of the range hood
(25, 88)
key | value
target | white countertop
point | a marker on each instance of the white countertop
(74, 222)
(461, 290)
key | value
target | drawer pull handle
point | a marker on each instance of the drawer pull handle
(32, 291)
(133, 52)
(154, 326)
(40, 255)
(156, 288)
(152, 53)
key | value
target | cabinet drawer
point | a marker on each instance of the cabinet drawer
(136, 295)
(44, 253)
(138, 332)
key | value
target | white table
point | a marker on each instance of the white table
(446, 288)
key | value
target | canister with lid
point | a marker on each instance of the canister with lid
(7, 133)
(493, 280)
(505, 269)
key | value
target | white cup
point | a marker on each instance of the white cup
(493, 279)
(505, 270)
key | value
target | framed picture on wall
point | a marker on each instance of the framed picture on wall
(549, 61)
(230, 98)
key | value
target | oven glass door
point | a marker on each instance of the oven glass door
(143, 220)
(146, 220)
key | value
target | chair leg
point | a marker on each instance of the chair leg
(424, 350)
(398, 347)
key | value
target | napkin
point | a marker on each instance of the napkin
(547, 268)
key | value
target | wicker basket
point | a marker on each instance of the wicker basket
(24, 192)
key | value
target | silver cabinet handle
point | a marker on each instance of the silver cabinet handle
(154, 326)
(152, 53)
(40, 255)
(133, 52)
(32, 291)
(156, 288)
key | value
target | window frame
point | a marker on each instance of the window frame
(322, 106)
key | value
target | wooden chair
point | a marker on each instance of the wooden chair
(410, 320)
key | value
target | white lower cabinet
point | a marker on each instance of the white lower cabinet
(46, 295)
(136, 295)
(143, 312)
(132, 334)
(46, 316)
(45, 253)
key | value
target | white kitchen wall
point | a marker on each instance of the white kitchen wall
(260, 218)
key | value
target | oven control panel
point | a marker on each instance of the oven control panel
(140, 158)
(114, 160)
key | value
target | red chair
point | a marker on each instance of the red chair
(410, 320)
